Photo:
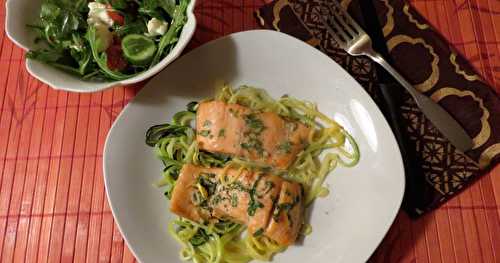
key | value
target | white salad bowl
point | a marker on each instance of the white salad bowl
(21, 13)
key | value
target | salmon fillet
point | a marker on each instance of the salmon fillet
(263, 137)
(268, 204)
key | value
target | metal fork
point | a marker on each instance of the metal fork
(353, 39)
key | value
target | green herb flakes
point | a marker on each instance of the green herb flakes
(204, 133)
(207, 124)
(285, 147)
(222, 133)
(258, 233)
(253, 205)
(234, 200)
(254, 124)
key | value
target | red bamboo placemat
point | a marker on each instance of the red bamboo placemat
(52, 202)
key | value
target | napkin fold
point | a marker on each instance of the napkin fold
(426, 59)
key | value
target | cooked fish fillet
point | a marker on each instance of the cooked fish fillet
(267, 204)
(237, 130)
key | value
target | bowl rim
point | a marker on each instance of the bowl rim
(184, 39)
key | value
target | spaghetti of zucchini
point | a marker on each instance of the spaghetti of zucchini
(328, 146)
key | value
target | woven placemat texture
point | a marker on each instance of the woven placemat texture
(53, 206)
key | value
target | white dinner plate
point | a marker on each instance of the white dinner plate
(347, 225)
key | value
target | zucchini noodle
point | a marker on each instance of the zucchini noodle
(328, 146)
(209, 243)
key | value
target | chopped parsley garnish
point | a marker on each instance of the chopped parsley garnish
(285, 147)
(269, 185)
(234, 200)
(254, 123)
(253, 143)
(253, 205)
(207, 124)
(204, 133)
(222, 132)
(245, 146)
(216, 199)
(255, 126)
(259, 232)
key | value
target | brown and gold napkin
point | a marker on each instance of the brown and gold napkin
(436, 69)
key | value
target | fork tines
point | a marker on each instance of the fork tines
(339, 23)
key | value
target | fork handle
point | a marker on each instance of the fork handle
(440, 118)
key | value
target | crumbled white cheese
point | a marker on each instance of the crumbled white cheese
(76, 47)
(104, 37)
(157, 27)
(98, 14)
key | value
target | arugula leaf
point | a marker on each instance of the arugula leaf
(45, 55)
(66, 68)
(59, 21)
(119, 4)
(76, 63)
(154, 8)
(94, 75)
(53, 57)
(49, 12)
(81, 6)
(168, 6)
(178, 21)
(136, 27)
(70, 22)
(83, 59)
(150, 8)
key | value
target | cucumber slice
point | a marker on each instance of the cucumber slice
(138, 49)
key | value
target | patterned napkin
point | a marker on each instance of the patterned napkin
(439, 171)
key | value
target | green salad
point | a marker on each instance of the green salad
(107, 40)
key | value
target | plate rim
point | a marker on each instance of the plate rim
(222, 39)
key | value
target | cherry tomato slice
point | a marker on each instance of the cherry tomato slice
(119, 19)
(116, 61)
